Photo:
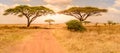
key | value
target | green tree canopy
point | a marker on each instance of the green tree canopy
(31, 13)
(49, 21)
(82, 13)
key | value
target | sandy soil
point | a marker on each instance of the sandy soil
(40, 42)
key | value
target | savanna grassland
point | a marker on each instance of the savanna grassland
(97, 39)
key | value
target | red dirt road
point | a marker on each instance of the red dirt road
(41, 42)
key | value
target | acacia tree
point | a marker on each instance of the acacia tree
(31, 13)
(49, 21)
(82, 13)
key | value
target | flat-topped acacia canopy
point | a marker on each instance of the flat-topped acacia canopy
(82, 13)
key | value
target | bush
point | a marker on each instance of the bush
(75, 25)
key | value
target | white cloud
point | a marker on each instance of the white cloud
(3, 7)
(53, 7)
(26, 0)
(58, 5)
(59, 18)
(113, 10)
(59, 2)
(23, 0)
(58, 8)
(69, 6)
(112, 14)
(117, 3)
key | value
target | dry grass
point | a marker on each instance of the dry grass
(97, 39)
(10, 34)
(100, 39)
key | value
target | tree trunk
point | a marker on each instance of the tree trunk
(28, 25)
(28, 22)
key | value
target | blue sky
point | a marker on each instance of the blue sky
(112, 5)
(74, 2)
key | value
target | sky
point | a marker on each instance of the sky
(113, 7)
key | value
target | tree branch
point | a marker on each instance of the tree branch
(37, 15)
(85, 17)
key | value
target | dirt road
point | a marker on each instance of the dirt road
(40, 42)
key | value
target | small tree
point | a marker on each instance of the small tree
(114, 23)
(110, 23)
(105, 24)
(31, 13)
(75, 25)
(49, 21)
(96, 24)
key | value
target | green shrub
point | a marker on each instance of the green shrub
(75, 25)
(109, 22)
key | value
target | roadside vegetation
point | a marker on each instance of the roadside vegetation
(75, 25)
(101, 39)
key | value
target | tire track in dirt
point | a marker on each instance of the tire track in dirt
(40, 42)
